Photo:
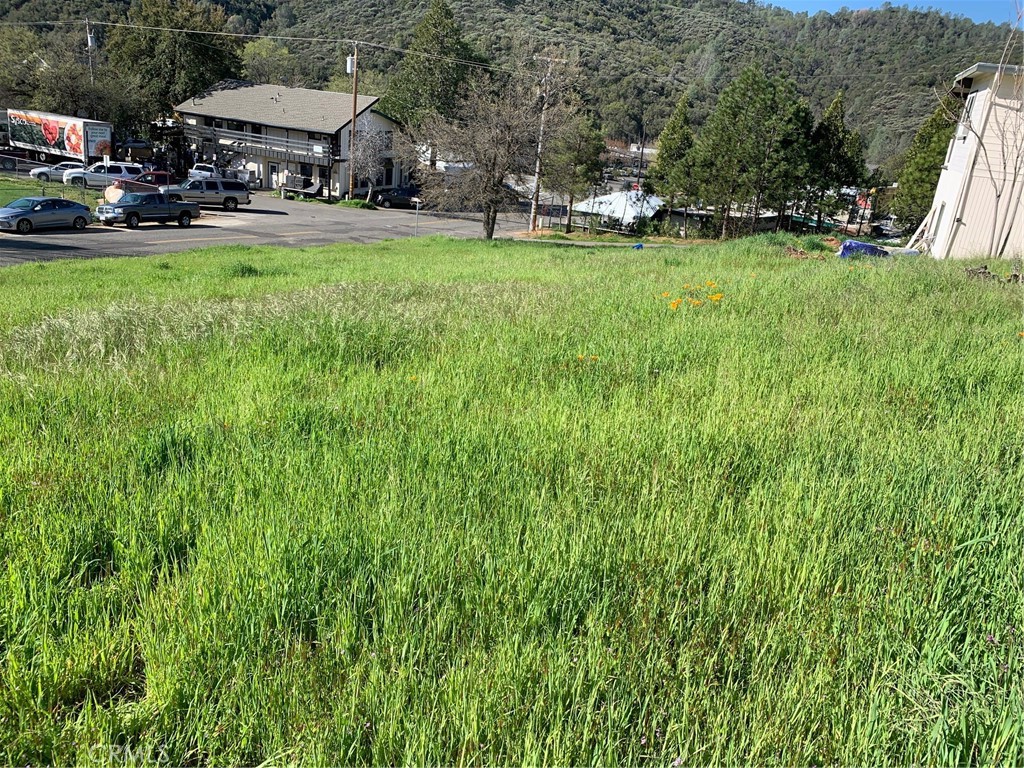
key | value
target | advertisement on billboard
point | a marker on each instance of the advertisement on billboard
(98, 139)
(58, 134)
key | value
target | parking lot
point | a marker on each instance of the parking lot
(269, 220)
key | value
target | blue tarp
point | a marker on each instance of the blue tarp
(852, 249)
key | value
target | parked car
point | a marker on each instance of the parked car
(47, 172)
(150, 181)
(135, 149)
(226, 193)
(204, 171)
(136, 207)
(28, 213)
(100, 175)
(399, 197)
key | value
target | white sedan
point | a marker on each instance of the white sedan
(47, 172)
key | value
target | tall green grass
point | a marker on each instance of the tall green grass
(441, 502)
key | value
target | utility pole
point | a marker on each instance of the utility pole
(90, 43)
(640, 165)
(353, 69)
(545, 85)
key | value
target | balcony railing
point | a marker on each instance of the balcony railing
(313, 152)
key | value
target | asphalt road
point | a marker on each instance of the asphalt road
(269, 220)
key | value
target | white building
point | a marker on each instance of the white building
(977, 205)
(274, 136)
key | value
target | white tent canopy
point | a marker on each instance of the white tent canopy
(625, 207)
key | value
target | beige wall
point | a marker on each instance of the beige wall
(977, 210)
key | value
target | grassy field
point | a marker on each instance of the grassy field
(440, 502)
(11, 188)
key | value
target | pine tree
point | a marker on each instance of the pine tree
(920, 173)
(573, 166)
(838, 154)
(753, 148)
(434, 71)
(670, 174)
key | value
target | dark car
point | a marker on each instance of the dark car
(28, 213)
(150, 181)
(399, 197)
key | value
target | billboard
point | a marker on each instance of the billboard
(98, 139)
(59, 134)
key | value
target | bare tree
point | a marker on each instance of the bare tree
(372, 147)
(492, 142)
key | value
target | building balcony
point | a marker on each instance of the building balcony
(261, 145)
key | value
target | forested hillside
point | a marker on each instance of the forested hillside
(643, 57)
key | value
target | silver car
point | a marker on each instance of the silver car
(47, 172)
(28, 213)
(225, 193)
(100, 175)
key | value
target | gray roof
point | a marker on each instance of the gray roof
(982, 68)
(303, 109)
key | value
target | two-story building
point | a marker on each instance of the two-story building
(977, 207)
(272, 135)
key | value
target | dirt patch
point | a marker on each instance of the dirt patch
(984, 273)
(981, 273)
(799, 253)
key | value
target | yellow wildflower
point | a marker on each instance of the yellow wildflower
(686, 286)
(593, 358)
(715, 297)
(664, 294)
(711, 284)
(579, 357)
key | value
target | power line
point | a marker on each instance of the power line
(750, 37)
(283, 38)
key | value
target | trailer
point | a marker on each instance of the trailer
(49, 137)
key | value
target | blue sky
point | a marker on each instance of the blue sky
(998, 11)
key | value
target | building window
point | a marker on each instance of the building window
(305, 170)
(966, 118)
(255, 128)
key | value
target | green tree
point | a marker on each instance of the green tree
(164, 65)
(920, 173)
(838, 157)
(573, 165)
(671, 174)
(752, 150)
(434, 70)
(265, 61)
(19, 65)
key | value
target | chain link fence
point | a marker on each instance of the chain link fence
(12, 189)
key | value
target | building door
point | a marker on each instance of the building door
(272, 173)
